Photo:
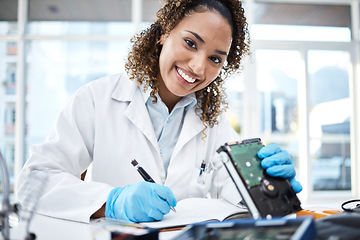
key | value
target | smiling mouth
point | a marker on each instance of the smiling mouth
(184, 76)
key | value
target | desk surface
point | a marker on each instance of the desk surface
(52, 228)
(46, 228)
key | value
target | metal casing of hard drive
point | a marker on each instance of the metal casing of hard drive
(265, 196)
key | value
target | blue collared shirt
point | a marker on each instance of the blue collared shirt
(167, 126)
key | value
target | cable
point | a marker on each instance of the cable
(355, 209)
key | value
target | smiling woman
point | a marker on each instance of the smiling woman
(143, 63)
(169, 103)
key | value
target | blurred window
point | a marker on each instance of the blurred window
(8, 58)
(105, 17)
(234, 98)
(301, 22)
(277, 79)
(8, 17)
(329, 119)
(278, 73)
(57, 70)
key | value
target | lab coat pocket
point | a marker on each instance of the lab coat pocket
(203, 174)
(202, 177)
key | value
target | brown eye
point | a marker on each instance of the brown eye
(190, 43)
(216, 60)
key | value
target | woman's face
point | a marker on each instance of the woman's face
(193, 54)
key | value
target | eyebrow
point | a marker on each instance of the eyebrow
(202, 40)
(197, 36)
(221, 52)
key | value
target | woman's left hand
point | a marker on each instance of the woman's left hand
(278, 163)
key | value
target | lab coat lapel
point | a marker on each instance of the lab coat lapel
(136, 111)
(139, 116)
(191, 127)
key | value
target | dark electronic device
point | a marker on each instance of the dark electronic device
(265, 196)
(262, 229)
(340, 226)
(150, 235)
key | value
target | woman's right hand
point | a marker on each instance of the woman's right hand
(140, 202)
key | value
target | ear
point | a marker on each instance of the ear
(163, 38)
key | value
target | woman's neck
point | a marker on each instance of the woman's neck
(170, 100)
(166, 96)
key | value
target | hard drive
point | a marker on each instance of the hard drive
(265, 196)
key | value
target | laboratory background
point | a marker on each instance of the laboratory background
(300, 87)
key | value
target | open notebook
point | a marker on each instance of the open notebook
(193, 210)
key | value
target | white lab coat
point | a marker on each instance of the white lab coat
(107, 124)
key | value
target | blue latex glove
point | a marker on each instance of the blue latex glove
(278, 163)
(140, 202)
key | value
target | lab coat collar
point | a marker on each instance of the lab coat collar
(125, 88)
(136, 112)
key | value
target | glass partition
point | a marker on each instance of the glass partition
(8, 56)
(57, 70)
(277, 76)
(329, 119)
(234, 91)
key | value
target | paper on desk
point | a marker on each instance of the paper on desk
(193, 210)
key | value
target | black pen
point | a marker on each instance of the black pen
(145, 175)
(202, 168)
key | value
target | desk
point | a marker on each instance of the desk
(49, 228)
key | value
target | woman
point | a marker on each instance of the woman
(166, 112)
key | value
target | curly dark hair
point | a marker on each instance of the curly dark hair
(143, 59)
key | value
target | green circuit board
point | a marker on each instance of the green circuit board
(247, 162)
